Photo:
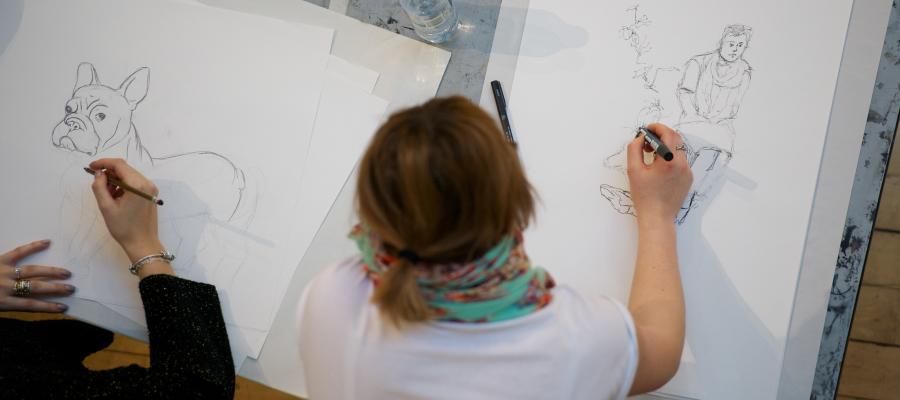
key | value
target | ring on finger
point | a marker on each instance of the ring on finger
(22, 288)
(680, 147)
(18, 272)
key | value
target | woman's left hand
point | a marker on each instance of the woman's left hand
(37, 276)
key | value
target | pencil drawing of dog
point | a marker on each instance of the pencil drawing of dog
(99, 123)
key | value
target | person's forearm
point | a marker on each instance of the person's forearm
(657, 300)
(188, 338)
(656, 293)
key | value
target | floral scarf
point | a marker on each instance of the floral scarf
(501, 285)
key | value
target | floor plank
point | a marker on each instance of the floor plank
(871, 371)
(889, 207)
(250, 390)
(883, 265)
(894, 163)
(876, 317)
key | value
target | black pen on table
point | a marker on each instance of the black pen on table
(500, 100)
(125, 186)
(655, 143)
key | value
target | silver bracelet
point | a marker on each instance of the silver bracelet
(164, 256)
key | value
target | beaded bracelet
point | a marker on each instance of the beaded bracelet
(165, 256)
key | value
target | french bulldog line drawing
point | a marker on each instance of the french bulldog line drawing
(98, 121)
(207, 210)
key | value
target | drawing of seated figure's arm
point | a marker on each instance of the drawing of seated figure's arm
(742, 90)
(687, 92)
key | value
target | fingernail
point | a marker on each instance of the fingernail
(66, 274)
(62, 307)
(70, 288)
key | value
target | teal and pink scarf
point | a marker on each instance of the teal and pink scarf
(501, 285)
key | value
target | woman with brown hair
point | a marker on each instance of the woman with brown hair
(442, 301)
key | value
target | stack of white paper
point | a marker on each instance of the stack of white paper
(248, 125)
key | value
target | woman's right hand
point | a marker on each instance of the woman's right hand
(131, 220)
(658, 190)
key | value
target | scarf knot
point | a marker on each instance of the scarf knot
(500, 285)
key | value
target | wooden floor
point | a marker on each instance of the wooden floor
(871, 367)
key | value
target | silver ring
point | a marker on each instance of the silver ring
(18, 272)
(680, 147)
(22, 288)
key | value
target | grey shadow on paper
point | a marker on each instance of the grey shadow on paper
(11, 12)
(728, 325)
(549, 34)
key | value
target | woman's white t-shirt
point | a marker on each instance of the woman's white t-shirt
(577, 347)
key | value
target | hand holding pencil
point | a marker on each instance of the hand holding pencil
(131, 219)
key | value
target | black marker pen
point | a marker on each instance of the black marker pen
(500, 100)
(656, 144)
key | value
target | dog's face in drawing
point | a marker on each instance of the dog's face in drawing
(733, 47)
(97, 113)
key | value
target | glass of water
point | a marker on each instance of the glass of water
(434, 20)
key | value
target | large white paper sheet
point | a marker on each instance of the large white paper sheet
(590, 72)
(224, 105)
(410, 71)
(279, 363)
(357, 75)
(336, 144)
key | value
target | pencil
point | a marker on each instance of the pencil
(127, 187)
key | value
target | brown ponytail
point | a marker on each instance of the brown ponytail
(439, 180)
(398, 295)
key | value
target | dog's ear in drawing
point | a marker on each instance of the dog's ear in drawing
(135, 87)
(87, 75)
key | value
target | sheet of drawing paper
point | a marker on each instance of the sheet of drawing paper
(749, 85)
(344, 140)
(218, 116)
(336, 145)
(410, 75)
(357, 75)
